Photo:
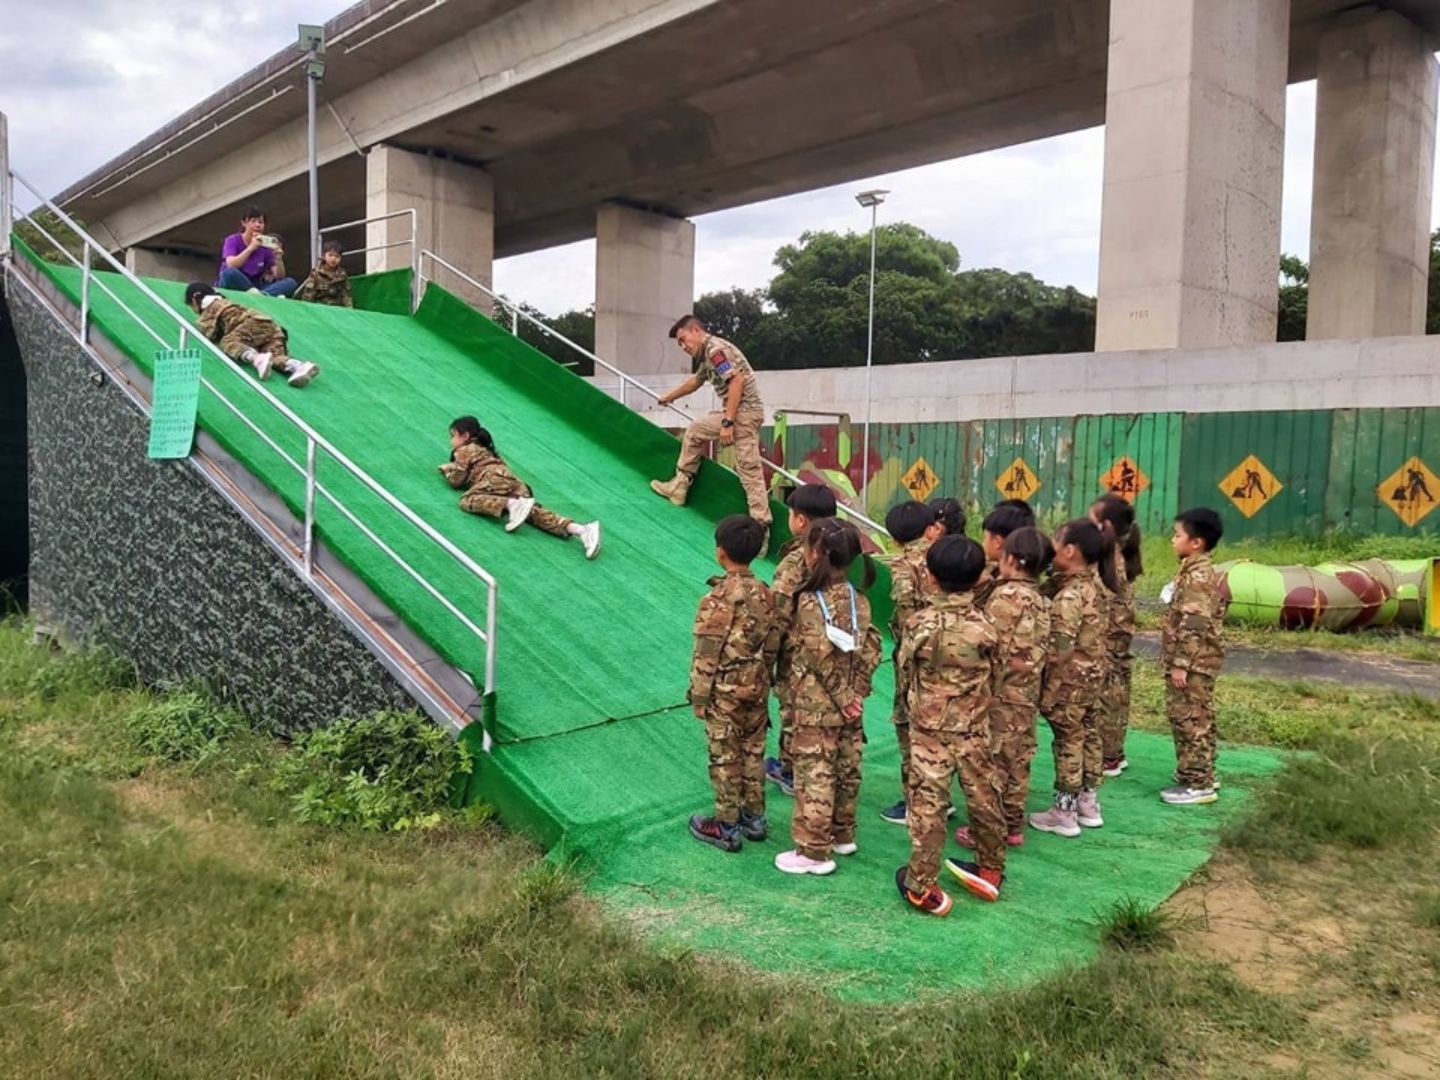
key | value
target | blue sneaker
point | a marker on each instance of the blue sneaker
(775, 772)
(896, 814)
(716, 833)
(753, 826)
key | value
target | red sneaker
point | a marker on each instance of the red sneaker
(933, 901)
(983, 883)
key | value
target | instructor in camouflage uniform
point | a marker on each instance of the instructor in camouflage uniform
(721, 364)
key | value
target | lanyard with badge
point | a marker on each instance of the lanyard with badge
(841, 639)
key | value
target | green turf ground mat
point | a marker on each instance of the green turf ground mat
(851, 934)
(386, 291)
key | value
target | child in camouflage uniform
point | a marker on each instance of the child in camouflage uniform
(1020, 614)
(328, 283)
(951, 515)
(1074, 675)
(948, 656)
(834, 650)
(246, 336)
(1116, 518)
(735, 641)
(807, 504)
(1003, 519)
(1192, 648)
(915, 526)
(492, 489)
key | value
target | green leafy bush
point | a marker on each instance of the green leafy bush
(392, 770)
(182, 726)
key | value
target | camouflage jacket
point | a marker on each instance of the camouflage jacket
(1079, 618)
(735, 641)
(222, 316)
(989, 581)
(326, 286)
(472, 461)
(949, 653)
(823, 680)
(1020, 614)
(719, 362)
(1121, 631)
(790, 574)
(909, 586)
(1190, 634)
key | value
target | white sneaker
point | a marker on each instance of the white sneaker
(519, 513)
(262, 362)
(590, 537)
(846, 849)
(302, 371)
(792, 862)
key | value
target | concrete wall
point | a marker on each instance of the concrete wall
(644, 281)
(14, 505)
(1372, 373)
(146, 557)
(179, 266)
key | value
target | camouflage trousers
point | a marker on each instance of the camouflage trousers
(1079, 756)
(827, 784)
(748, 463)
(495, 487)
(1012, 745)
(735, 741)
(900, 717)
(1191, 713)
(1115, 698)
(787, 740)
(261, 334)
(936, 756)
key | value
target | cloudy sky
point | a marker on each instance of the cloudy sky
(81, 80)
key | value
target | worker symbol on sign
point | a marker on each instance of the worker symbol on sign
(1017, 481)
(1125, 479)
(1415, 486)
(1252, 488)
(1250, 485)
(1410, 491)
(920, 480)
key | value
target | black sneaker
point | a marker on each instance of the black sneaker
(753, 826)
(716, 833)
(896, 814)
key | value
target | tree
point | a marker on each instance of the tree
(578, 326)
(37, 241)
(734, 314)
(1294, 299)
(1432, 308)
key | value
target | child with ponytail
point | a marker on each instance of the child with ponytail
(1116, 518)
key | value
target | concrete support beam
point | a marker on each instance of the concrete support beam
(1194, 153)
(455, 215)
(172, 265)
(1374, 166)
(644, 281)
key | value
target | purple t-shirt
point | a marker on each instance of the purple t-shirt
(256, 266)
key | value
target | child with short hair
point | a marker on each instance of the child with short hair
(492, 489)
(1192, 650)
(246, 336)
(1074, 673)
(328, 283)
(948, 653)
(834, 652)
(1003, 519)
(951, 515)
(1020, 614)
(736, 635)
(807, 504)
(1116, 517)
(915, 527)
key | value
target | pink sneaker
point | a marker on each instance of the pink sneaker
(1060, 819)
(965, 840)
(792, 862)
(1087, 809)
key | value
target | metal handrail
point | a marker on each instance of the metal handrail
(516, 314)
(413, 240)
(313, 440)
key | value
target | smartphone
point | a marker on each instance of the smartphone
(269, 241)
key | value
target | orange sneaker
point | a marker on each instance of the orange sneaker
(983, 883)
(933, 901)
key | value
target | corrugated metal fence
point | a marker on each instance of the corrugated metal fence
(1269, 473)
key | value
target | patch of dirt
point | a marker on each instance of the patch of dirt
(206, 831)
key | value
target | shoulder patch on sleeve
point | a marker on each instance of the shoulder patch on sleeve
(721, 363)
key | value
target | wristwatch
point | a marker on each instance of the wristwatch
(727, 422)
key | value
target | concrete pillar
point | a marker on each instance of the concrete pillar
(455, 215)
(1194, 154)
(172, 265)
(644, 281)
(1374, 164)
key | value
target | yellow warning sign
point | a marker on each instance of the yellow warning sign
(920, 480)
(1018, 481)
(1410, 491)
(1125, 479)
(1250, 485)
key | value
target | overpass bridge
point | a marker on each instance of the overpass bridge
(513, 125)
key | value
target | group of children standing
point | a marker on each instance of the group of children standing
(987, 636)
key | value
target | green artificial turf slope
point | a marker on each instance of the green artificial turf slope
(594, 753)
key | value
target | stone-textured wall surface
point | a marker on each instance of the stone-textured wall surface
(145, 556)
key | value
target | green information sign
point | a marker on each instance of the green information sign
(172, 408)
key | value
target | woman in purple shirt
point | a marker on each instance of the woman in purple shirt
(248, 263)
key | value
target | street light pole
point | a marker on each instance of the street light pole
(872, 199)
(312, 40)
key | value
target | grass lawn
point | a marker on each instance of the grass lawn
(162, 919)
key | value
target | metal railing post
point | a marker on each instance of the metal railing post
(491, 603)
(309, 506)
(6, 192)
(85, 296)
